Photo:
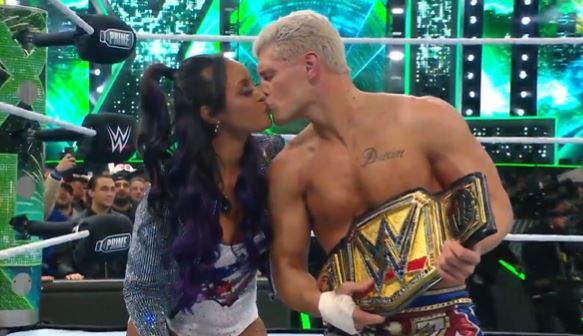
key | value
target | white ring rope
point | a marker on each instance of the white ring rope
(502, 140)
(379, 40)
(14, 251)
(35, 116)
(347, 40)
(544, 238)
(530, 140)
(73, 16)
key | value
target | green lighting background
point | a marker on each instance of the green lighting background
(67, 75)
(560, 93)
(496, 60)
(74, 91)
(361, 18)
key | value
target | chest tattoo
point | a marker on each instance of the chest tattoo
(372, 155)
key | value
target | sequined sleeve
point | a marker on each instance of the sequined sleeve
(270, 146)
(145, 285)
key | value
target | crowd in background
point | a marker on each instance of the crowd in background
(73, 194)
(544, 202)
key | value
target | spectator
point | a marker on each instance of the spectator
(53, 181)
(79, 184)
(63, 209)
(62, 212)
(123, 202)
(137, 189)
(101, 192)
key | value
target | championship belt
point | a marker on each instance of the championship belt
(398, 243)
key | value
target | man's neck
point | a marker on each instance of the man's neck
(334, 111)
(98, 209)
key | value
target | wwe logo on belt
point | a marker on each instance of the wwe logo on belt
(395, 258)
(119, 139)
(114, 243)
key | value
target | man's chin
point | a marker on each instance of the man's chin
(281, 120)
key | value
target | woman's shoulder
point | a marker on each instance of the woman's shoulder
(149, 222)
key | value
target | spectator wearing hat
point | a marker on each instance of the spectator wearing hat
(122, 202)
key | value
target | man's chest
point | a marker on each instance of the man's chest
(343, 184)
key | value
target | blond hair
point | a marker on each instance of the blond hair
(300, 32)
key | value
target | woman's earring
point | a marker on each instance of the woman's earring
(217, 127)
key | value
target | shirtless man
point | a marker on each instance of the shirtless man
(359, 150)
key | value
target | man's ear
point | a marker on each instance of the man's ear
(311, 64)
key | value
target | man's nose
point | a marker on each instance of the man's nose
(265, 88)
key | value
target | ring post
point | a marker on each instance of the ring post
(22, 83)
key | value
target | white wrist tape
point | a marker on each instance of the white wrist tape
(337, 309)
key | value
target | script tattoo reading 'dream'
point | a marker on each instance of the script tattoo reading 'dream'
(371, 155)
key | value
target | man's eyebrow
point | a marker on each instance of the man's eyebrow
(265, 72)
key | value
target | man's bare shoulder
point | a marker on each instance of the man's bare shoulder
(434, 122)
(294, 155)
(419, 112)
(408, 105)
(399, 106)
(439, 115)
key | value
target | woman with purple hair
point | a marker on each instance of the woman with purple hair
(202, 231)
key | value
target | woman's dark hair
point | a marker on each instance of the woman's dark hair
(183, 169)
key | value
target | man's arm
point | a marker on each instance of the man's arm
(289, 253)
(50, 195)
(454, 152)
(53, 183)
(289, 250)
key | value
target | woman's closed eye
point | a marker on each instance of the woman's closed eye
(248, 90)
